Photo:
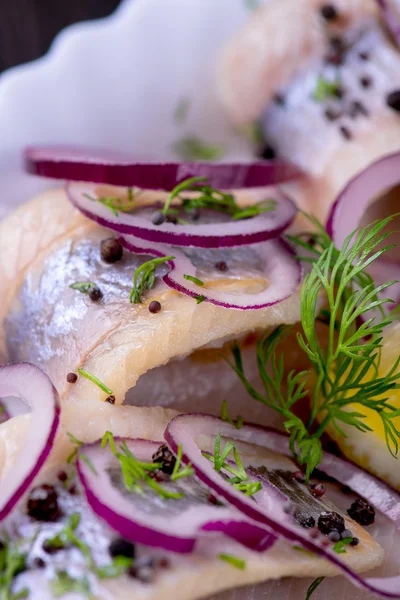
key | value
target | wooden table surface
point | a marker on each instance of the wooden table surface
(27, 27)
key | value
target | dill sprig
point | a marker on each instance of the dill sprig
(144, 278)
(114, 203)
(346, 371)
(12, 562)
(213, 199)
(339, 548)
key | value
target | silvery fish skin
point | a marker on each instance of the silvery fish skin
(332, 139)
(188, 577)
(61, 330)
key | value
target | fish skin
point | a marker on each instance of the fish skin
(112, 339)
(193, 576)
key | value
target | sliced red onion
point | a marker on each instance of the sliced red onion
(266, 508)
(29, 384)
(391, 17)
(262, 227)
(359, 194)
(281, 270)
(172, 524)
(74, 164)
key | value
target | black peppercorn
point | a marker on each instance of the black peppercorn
(364, 55)
(121, 547)
(346, 133)
(39, 563)
(221, 266)
(299, 477)
(357, 108)
(393, 100)
(110, 399)
(143, 570)
(267, 152)
(329, 12)
(166, 458)
(72, 377)
(279, 99)
(355, 541)
(51, 548)
(330, 521)
(331, 114)
(111, 250)
(94, 293)
(62, 476)
(154, 307)
(305, 521)
(318, 489)
(43, 504)
(158, 217)
(366, 82)
(362, 512)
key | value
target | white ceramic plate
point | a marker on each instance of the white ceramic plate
(117, 83)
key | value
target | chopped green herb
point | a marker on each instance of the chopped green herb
(89, 463)
(114, 203)
(194, 279)
(83, 286)
(144, 278)
(63, 583)
(22, 594)
(181, 110)
(325, 89)
(225, 416)
(78, 443)
(12, 562)
(67, 536)
(255, 209)
(199, 299)
(301, 549)
(339, 547)
(353, 350)
(313, 587)
(236, 562)
(95, 380)
(118, 567)
(177, 473)
(192, 147)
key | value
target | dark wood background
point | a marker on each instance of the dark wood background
(27, 27)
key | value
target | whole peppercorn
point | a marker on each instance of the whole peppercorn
(72, 377)
(43, 503)
(355, 541)
(111, 250)
(110, 399)
(121, 547)
(164, 456)
(330, 521)
(158, 217)
(299, 477)
(393, 100)
(305, 521)
(222, 266)
(362, 512)
(267, 152)
(334, 536)
(329, 12)
(94, 293)
(318, 489)
(154, 307)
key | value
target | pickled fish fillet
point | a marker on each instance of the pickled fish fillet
(50, 246)
(187, 577)
(277, 79)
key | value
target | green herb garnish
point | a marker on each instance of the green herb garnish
(114, 203)
(192, 147)
(135, 473)
(313, 587)
(96, 381)
(83, 286)
(353, 351)
(325, 89)
(77, 443)
(199, 299)
(255, 209)
(63, 583)
(89, 463)
(235, 561)
(225, 416)
(339, 548)
(12, 562)
(118, 567)
(67, 536)
(144, 278)
(194, 279)
(179, 472)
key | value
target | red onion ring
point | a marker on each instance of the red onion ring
(391, 18)
(74, 164)
(282, 271)
(264, 226)
(28, 383)
(172, 532)
(266, 508)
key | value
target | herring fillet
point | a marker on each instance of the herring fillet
(200, 574)
(256, 64)
(61, 330)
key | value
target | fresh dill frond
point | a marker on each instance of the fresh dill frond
(114, 203)
(225, 416)
(346, 371)
(339, 548)
(194, 280)
(191, 147)
(235, 561)
(144, 278)
(62, 583)
(179, 472)
(95, 380)
(316, 583)
(326, 89)
(12, 562)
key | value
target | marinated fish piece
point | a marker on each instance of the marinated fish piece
(321, 89)
(62, 329)
(157, 574)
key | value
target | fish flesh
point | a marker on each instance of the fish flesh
(279, 80)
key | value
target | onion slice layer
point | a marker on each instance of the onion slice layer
(266, 508)
(29, 384)
(171, 524)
